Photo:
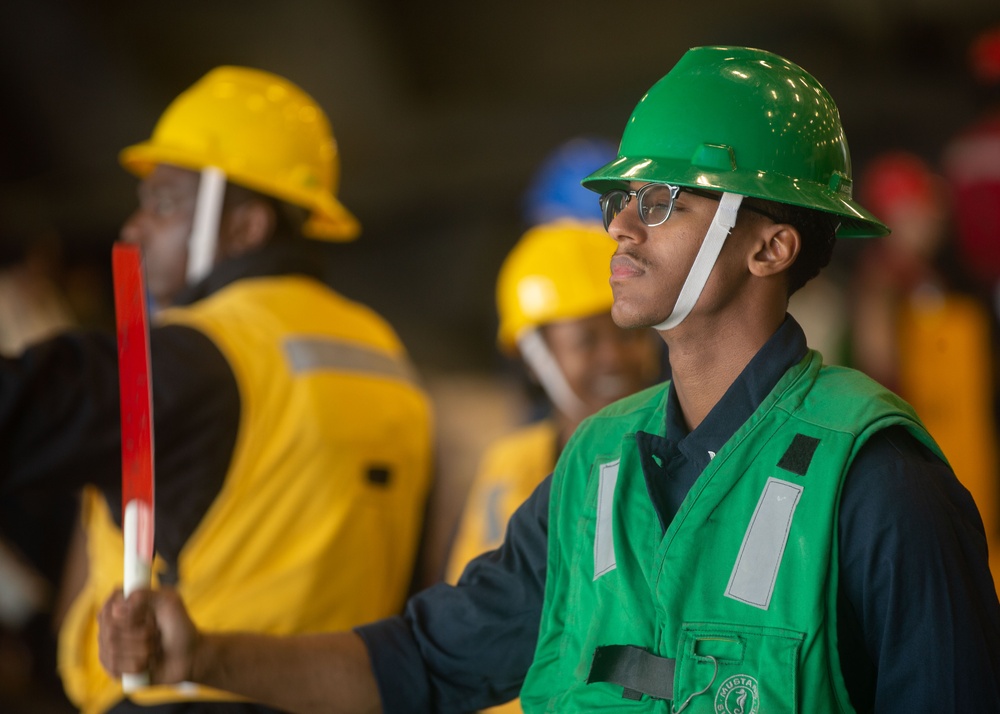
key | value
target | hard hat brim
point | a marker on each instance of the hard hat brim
(856, 221)
(329, 219)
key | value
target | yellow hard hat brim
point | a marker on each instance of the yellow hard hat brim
(329, 219)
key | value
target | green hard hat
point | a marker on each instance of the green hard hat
(746, 121)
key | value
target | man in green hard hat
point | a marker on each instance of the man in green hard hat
(760, 534)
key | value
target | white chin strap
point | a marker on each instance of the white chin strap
(205, 228)
(539, 358)
(722, 224)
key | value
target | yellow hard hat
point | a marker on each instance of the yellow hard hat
(557, 271)
(264, 133)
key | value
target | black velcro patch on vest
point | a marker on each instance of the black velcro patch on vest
(379, 475)
(799, 454)
(634, 669)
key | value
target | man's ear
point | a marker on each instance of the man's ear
(777, 248)
(246, 227)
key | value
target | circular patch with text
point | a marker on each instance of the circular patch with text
(737, 695)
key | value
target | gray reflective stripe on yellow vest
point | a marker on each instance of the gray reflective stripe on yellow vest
(307, 354)
(756, 568)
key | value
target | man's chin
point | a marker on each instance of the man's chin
(629, 320)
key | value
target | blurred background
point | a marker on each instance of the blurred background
(443, 111)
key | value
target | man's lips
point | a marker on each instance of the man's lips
(625, 266)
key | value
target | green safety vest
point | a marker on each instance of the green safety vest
(740, 593)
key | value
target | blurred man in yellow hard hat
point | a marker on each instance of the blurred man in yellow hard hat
(554, 304)
(292, 443)
(554, 307)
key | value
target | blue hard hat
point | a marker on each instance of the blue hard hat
(555, 192)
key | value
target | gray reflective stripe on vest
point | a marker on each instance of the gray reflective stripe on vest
(308, 354)
(756, 569)
(604, 542)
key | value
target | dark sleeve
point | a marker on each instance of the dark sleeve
(196, 412)
(60, 422)
(59, 415)
(466, 647)
(919, 621)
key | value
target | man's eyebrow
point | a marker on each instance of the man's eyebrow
(704, 193)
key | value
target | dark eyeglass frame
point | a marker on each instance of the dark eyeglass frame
(624, 196)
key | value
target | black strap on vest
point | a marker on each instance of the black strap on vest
(635, 669)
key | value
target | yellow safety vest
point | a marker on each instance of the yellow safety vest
(509, 472)
(946, 373)
(317, 523)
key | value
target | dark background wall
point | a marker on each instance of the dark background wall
(442, 111)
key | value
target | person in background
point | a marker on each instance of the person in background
(36, 529)
(554, 305)
(761, 533)
(293, 442)
(551, 294)
(916, 315)
(554, 191)
(971, 166)
(907, 265)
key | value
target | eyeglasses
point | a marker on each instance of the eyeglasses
(655, 201)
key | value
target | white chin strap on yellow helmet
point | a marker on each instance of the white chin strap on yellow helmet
(205, 226)
(722, 224)
(539, 358)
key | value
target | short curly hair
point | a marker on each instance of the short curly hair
(819, 234)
